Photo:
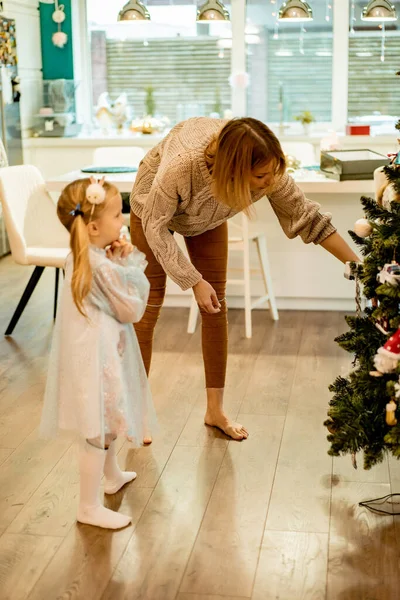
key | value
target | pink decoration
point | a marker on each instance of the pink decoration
(239, 80)
(59, 39)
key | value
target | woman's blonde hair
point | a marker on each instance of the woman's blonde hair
(75, 212)
(241, 146)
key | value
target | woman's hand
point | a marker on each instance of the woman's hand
(206, 297)
(119, 249)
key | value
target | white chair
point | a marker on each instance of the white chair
(3, 163)
(3, 235)
(34, 231)
(303, 151)
(118, 156)
(242, 242)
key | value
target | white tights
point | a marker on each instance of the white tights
(93, 461)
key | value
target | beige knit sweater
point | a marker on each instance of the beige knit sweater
(172, 192)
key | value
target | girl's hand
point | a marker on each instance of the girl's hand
(119, 249)
(206, 297)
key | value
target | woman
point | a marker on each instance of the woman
(203, 173)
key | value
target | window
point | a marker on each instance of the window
(177, 68)
(170, 66)
(374, 90)
(290, 65)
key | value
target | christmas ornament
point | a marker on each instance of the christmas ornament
(390, 413)
(362, 228)
(387, 194)
(58, 15)
(349, 272)
(388, 356)
(383, 325)
(59, 39)
(390, 274)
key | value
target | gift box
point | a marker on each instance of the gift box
(346, 165)
(357, 129)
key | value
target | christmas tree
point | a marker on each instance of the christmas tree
(364, 412)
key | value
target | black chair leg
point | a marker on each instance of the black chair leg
(56, 293)
(37, 273)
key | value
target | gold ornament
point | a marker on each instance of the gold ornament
(391, 413)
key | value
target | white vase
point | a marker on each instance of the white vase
(306, 128)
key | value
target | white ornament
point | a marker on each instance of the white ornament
(59, 39)
(384, 363)
(362, 228)
(58, 15)
(390, 274)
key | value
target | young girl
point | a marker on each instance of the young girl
(96, 383)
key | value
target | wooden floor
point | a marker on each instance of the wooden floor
(270, 518)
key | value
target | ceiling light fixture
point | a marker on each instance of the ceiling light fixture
(379, 11)
(295, 11)
(134, 10)
(213, 10)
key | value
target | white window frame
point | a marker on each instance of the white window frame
(238, 56)
(340, 63)
(82, 64)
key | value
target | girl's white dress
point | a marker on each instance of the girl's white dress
(97, 384)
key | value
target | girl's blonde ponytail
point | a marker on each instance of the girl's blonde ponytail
(82, 274)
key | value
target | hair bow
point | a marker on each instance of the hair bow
(77, 211)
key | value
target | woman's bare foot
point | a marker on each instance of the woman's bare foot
(230, 428)
(147, 440)
(215, 416)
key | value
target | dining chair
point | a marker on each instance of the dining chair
(36, 236)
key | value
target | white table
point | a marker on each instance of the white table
(309, 182)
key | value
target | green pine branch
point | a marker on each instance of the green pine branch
(373, 210)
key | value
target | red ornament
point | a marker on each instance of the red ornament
(392, 346)
(388, 356)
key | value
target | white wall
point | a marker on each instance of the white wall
(26, 15)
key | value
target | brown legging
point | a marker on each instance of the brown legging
(209, 254)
